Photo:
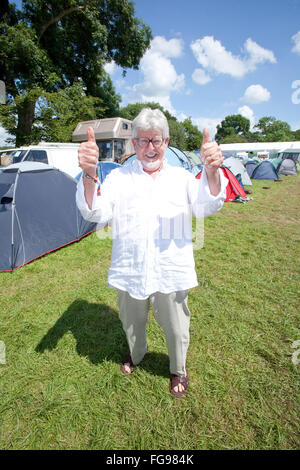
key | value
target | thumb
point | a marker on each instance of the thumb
(91, 134)
(206, 138)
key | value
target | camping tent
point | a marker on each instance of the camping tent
(104, 168)
(265, 171)
(194, 157)
(237, 168)
(276, 162)
(175, 157)
(233, 188)
(287, 167)
(38, 213)
(250, 166)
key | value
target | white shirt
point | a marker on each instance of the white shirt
(151, 225)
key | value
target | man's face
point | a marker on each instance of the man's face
(150, 155)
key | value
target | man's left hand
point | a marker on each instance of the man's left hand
(211, 153)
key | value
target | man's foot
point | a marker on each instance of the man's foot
(178, 385)
(127, 365)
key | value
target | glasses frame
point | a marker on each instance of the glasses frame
(149, 140)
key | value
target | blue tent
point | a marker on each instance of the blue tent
(104, 168)
(265, 171)
(175, 157)
(250, 166)
(38, 213)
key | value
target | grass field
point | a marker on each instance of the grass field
(61, 385)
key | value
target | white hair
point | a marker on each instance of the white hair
(150, 119)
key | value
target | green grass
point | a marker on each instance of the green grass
(61, 386)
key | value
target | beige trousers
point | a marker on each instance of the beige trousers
(171, 312)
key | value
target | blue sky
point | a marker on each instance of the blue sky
(209, 59)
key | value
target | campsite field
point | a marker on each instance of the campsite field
(60, 380)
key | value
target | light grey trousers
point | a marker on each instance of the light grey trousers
(171, 312)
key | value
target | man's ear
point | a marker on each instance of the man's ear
(167, 141)
(133, 143)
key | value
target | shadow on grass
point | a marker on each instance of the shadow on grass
(99, 336)
(96, 328)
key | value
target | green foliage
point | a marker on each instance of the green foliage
(296, 134)
(234, 138)
(235, 124)
(177, 135)
(133, 109)
(50, 45)
(273, 130)
(193, 137)
(60, 112)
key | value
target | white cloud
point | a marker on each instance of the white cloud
(210, 123)
(168, 48)
(296, 94)
(257, 55)
(248, 113)
(3, 136)
(213, 56)
(296, 40)
(110, 67)
(160, 76)
(201, 77)
(256, 94)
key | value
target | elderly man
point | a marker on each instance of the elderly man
(150, 204)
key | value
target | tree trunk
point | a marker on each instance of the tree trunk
(26, 109)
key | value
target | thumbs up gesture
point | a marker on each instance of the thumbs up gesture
(211, 153)
(88, 154)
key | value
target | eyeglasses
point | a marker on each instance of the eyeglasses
(143, 142)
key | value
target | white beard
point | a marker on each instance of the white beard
(151, 165)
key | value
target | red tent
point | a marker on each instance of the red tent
(233, 188)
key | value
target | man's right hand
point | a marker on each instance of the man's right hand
(88, 154)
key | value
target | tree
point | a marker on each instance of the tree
(193, 137)
(296, 134)
(177, 134)
(272, 130)
(234, 139)
(232, 125)
(51, 44)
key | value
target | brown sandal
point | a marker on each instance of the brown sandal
(175, 380)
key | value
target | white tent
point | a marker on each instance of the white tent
(237, 168)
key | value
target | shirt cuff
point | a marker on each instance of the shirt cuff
(223, 182)
(80, 197)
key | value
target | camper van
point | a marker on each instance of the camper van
(113, 137)
(63, 156)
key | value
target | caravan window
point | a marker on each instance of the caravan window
(119, 149)
(105, 150)
(37, 156)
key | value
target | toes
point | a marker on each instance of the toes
(179, 388)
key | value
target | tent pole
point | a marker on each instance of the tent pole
(12, 221)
